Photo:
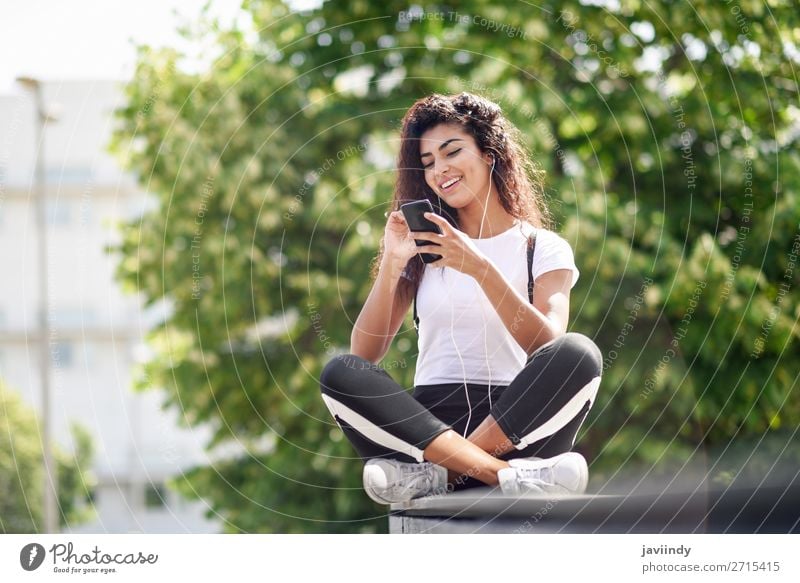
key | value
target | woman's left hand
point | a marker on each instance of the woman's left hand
(456, 248)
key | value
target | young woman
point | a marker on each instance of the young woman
(501, 388)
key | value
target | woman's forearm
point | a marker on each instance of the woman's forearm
(527, 324)
(371, 330)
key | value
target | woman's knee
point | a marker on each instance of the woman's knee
(340, 370)
(331, 374)
(580, 353)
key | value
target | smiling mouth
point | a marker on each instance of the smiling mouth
(450, 184)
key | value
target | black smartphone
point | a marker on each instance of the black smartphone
(413, 212)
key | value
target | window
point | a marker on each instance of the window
(69, 174)
(74, 316)
(62, 354)
(57, 212)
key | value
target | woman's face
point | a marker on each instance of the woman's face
(454, 167)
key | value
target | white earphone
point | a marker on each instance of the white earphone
(485, 346)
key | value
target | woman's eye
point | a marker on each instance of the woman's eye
(453, 153)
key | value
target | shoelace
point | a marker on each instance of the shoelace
(411, 476)
(540, 478)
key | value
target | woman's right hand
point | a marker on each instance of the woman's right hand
(397, 240)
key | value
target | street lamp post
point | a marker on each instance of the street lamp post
(50, 474)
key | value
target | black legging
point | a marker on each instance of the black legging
(540, 411)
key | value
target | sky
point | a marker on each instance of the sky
(55, 40)
(89, 39)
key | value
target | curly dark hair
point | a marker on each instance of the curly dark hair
(519, 182)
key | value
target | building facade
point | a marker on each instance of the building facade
(96, 331)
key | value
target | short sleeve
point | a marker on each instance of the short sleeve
(552, 253)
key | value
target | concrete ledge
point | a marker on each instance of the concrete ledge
(765, 509)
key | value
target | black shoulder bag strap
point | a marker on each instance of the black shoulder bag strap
(531, 249)
(416, 318)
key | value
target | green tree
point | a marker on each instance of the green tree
(669, 135)
(22, 470)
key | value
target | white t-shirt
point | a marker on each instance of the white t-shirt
(461, 336)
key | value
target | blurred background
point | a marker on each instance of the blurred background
(191, 195)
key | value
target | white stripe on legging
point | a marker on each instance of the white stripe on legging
(564, 416)
(369, 430)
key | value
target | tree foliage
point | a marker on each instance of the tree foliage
(668, 131)
(22, 470)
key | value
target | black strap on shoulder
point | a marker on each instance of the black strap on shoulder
(531, 249)
(416, 318)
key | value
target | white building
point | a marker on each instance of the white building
(96, 331)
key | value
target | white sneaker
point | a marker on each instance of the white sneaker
(563, 474)
(387, 481)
